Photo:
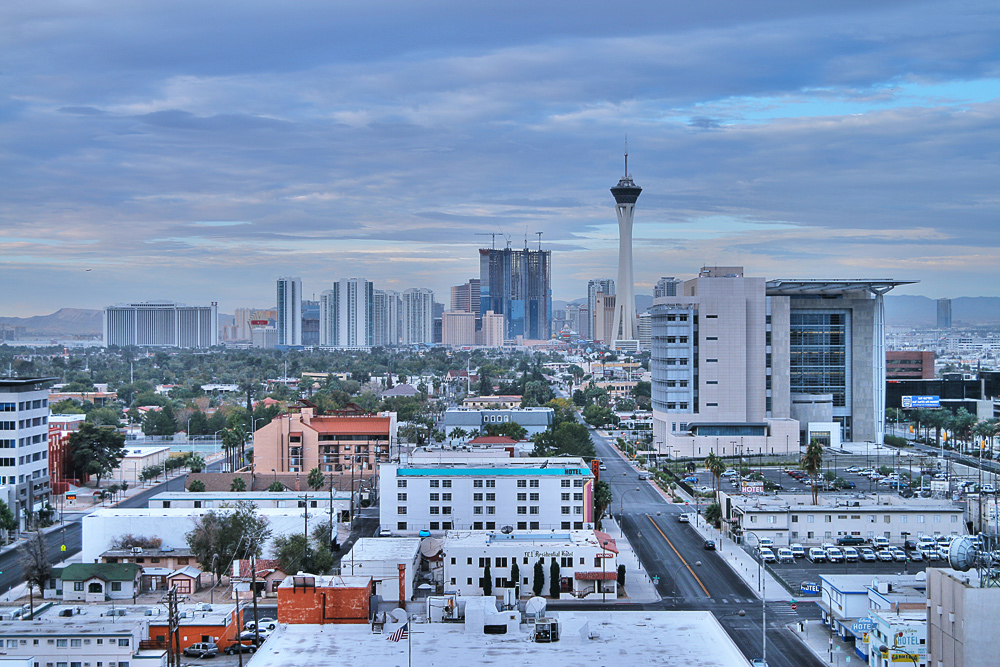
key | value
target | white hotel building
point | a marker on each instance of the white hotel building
(24, 444)
(454, 492)
(586, 558)
(161, 324)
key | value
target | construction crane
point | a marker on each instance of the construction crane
(539, 240)
(493, 237)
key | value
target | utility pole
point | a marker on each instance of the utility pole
(173, 630)
(305, 528)
(333, 529)
(253, 594)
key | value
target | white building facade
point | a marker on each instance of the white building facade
(587, 562)
(418, 316)
(290, 310)
(347, 314)
(161, 324)
(453, 493)
(24, 445)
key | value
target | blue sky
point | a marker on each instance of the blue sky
(197, 151)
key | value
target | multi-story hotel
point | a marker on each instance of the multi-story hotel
(161, 324)
(458, 492)
(289, 311)
(342, 443)
(24, 445)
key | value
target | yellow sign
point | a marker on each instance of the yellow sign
(62, 548)
(864, 637)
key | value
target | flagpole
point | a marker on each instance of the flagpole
(409, 647)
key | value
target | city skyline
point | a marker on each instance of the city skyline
(145, 160)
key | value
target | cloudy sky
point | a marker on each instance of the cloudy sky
(196, 151)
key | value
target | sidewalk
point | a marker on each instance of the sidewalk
(638, 586)
(816, 636)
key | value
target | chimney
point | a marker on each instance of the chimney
(402, 584)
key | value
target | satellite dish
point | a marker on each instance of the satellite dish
(535, 607)
(507, 530)
(398, 615)
(962, 554)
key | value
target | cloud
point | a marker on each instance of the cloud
(214, 147)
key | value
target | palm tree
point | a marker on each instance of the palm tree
(812, 463)
(716, 466)
(937, 420)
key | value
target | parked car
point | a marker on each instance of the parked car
(917, 555)
(834, 555)
(868, 555)
(241, 647)
(683, 518)
(268, 623)
(989, 488)
(766, 542)
(852, 469)
(881, 542)
(709, 545)
(798, 550)
(851, 555)
(767, 555)
(851, 540)
(817, 555)
(690, 480)
(898, 554)
(202, 650)
(785, 555)
(884, 555)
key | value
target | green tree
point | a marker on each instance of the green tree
(196, 486)
(487, 579)
(515, 578)
(812, 463)
(937, 420)
(315, 479)
(296, 553)
(7, 521)
(598, 416)
(457, 433)
(198, 425)
(536, 393)
(104, 417)
(621, 575)
(538, 581)
(239, 485)
(713, 514)
(509, 429)
(716, 466)
(579, 398)
(570, 438)
(602, 499)
(159, 422)
(276, 487)
(96, 450)
(554, 579)
(235, 533)
(196, 463)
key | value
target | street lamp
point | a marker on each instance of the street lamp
(697, 563)
(621, 509)
(215, 576)
(763, 599)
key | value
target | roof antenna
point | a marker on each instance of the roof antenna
(626, 155)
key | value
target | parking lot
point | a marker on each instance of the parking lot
(803, 569)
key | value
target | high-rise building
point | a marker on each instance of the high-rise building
(242, 321)
(310, 323)
(944, 313)
(387, 308)
(418, 316)
(578, 318)
(762, 365)
(625, 326)
(290, 311)
(604, 286)
(161, 324)
(666, 286)
(603, 318)
(492, 331)
(458, 328)
(517, 284)
(645, 330)
(465, 298)
(24, 437)
(347, 314)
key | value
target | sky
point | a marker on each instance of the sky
(196, 151)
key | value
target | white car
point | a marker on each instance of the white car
(767, 555)
(766, 542)
(852, 469)
(798, 550)
(881, 542)
(785, 556)
(817, 555)
(851, 555)
(834, 555)
(989, 488)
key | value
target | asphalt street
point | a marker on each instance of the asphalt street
(671, 551)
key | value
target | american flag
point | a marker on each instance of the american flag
(400, 634)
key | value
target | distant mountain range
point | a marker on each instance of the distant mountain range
(63, 322)
(899, 310)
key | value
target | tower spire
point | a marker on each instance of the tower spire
(626, 156)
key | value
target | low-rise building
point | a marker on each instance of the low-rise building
(792, 518)
(94, 582)
(587, 561)
(493, 402)
(302, 440)
(534, 420)
(316, 600)
(313, 500)
(136, 459)
(77, 640)
(380, 558)
(168, 557)
(218, 623)
(456, 492)
(961, 620)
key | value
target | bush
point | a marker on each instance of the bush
(196, 486)
(621, 575)
(896, 441)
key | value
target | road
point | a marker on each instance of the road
(70, 534)
(671, 550)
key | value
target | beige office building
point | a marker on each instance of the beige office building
(961, 620)
(458, 328)
(492, 333)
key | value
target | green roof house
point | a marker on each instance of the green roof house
(94, 582)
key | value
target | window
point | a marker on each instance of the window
(434, 497)
(578, 483)
(565, 509)
(565, 561)
(435, 509)
(565, 497)
(533, 525)
(75, 642)
(920, 518)
(534, 509)
(887, 518)
(446, 510)
(477, 509)
(400, 483)
(446, 497)
(446, 484)
(77, 585)
(116, 586)
(491, 484)
(522, 483)
(578, 510)
(771, 519)
(491, 497)
(795, 518)
(490, 509)
(477, 497)
(521, 509)
(533, 497)
(435, 525)
(401, 509)
(565, 484)
(577, 496)
(435, 483)
(400, 525)
(828, 518)
(61, 642)
(401, 497)
(522, 497)
(937, 518)
(533, 484)
(954, 518)
(477, 483)
(523, 525)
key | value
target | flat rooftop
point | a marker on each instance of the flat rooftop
(395, 549)
(549, 539)
(690, 638)
(252, 496)
(501, 465)
(881, 502)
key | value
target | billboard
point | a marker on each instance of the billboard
(753, 486)
(916, 402)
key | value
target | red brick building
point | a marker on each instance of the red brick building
(909, 364)
(325, 599)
